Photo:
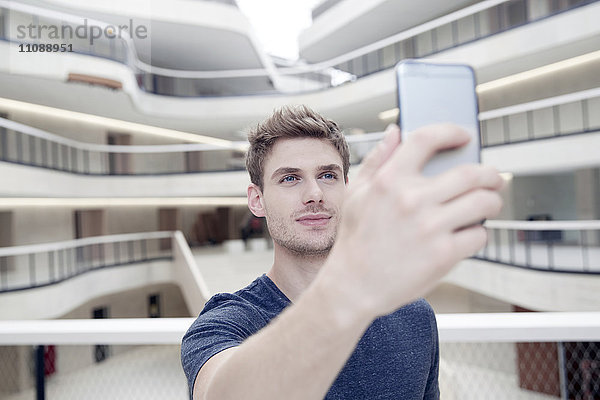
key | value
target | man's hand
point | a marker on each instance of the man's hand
(401, 232)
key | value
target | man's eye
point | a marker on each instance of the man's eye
(289, 178)
(329, 176)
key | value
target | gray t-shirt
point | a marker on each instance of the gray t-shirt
(397, 357)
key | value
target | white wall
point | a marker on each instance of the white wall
(449, 298)
(553, 194)
(134, 303)
(538, 291)
(25, 181)
(40, 225)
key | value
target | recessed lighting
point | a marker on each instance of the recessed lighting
(389, 114)
(113, 124)
(104, 202)
(536, 72)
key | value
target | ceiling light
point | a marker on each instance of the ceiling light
(389, 114)
(536, 72)
(111, 123)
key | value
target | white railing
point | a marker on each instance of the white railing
(556, 116)
(38, 265)
(74, 243)
(552, 246)
(568, 114)
(454, 328)
(493, 356)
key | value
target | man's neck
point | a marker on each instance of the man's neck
(292, 272)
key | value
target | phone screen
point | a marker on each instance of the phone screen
(439, 93)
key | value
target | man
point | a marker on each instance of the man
(338, 315)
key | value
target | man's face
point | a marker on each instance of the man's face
(302, 194)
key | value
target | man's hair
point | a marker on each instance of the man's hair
(290, 122)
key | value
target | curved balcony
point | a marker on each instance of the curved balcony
(471, 24)
(35, 266)
(538, 265)
(547, 246)
(64, 274)
(508, 135)
(25, 145)
(544, 246)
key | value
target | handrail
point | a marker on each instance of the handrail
(545, 246)
(539, 104)
(67, 244)
(242, 144)
(111, 148)
(544, 225)
(452, 328)
(33, 266)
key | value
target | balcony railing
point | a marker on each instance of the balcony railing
(574, 113)
(564, 115)
(552, 246)
(517, 356)
(38, 265)
(470, 24)
(25, 145)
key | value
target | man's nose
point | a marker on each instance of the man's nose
(312, 192)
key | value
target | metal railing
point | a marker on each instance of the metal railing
(552, 246)
(470, 24)
(574, 113)
(22, 144)
(564, 115)
(38, 265)
(491, 356)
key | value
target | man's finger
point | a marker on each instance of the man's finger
(461, 180)
(469, 209)
(422, 144)
(469, 241)
(380, 154)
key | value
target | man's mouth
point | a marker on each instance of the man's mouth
(314, 219)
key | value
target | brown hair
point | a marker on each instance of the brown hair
(291, 122)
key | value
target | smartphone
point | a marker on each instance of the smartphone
(430, 93)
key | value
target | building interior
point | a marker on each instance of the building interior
(123, 187)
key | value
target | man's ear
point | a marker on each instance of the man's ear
(255, 201)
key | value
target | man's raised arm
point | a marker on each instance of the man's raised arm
(400, 233)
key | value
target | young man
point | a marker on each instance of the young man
(337, 316)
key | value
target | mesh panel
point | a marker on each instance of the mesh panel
(520, 371)
(533, 371)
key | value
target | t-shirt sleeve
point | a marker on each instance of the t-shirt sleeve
(432, 391)
(225, 322)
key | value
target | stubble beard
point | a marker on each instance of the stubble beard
(300, 245)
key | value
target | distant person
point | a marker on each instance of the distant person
(339, 314)
(251, 225)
